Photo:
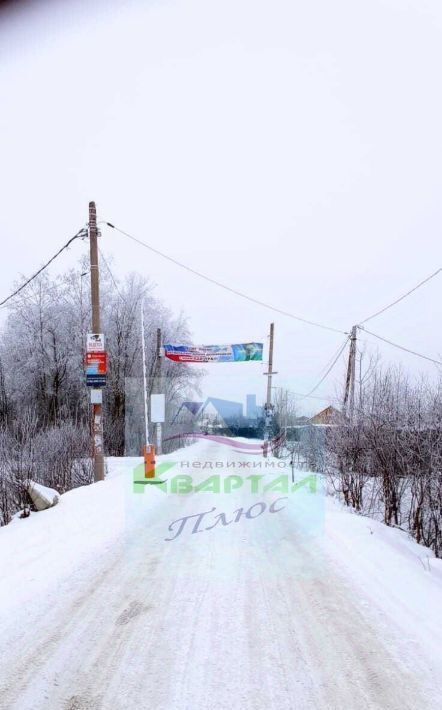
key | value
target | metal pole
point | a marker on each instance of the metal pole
(268, 405)
(97, 409)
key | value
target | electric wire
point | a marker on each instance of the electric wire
(287, 313)
(221, 285)
(401, 347)
(80, 234)
(313, 396)
(112, 277)
(330, 368)
(401, 298)
(291, 315)
(328, 363)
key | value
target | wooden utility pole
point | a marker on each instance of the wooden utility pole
(270, 372)
(145, 395)
(158, 388)
(148, 449)
(268, 405)
(349, 396)
(97, 409)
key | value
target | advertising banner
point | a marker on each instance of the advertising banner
(96, 363)
(95, 366)
(238, 352)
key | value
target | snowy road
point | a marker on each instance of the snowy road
(303, 607)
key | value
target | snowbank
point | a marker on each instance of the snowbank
(42, 496)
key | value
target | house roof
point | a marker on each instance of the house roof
(193, 407)
(326, 415)
(225, 408)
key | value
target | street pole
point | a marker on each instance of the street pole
(143, 350)
(268, 404)
(148, 449)
(353, 372)
(286, 414)
(270, 372)
(97, 409)
(349, 395)
(292, 464)
(158, 388)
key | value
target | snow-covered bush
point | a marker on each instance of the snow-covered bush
(58, 457)
(387, 459)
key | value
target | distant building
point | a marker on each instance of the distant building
(327, 416)
(219, 412)
(251, 408)
(187, 411)
(212, 412)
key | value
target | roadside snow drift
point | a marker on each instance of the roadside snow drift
(42, 496)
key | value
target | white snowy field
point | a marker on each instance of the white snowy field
(106, 605)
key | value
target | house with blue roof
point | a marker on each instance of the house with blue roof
(219, 412)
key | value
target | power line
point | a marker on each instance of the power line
(401, 298)
(112, 276)
(331, 360)
(340, 351)
(221, 285)
(401, 347)
(310, 396)
(81, 233)
(288, 314)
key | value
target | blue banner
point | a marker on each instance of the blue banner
(238, 352)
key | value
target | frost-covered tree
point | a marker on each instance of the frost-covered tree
(42, 371)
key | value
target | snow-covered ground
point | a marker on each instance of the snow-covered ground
(105, 605)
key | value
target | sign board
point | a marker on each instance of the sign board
(96, 396)
(95, 380)
(157, 408)
(95, 342)
(238, 352)
(95, 363)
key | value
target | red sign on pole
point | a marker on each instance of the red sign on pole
(96, 363)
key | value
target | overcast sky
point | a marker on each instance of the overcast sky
(290, 149)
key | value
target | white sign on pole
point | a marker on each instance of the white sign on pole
(157, 408)
(95, 342)
(96, 396)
